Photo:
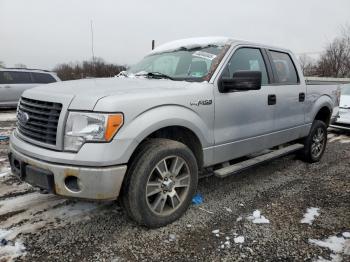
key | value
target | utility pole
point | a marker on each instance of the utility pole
(92, 49)
(153, 44)
(92, 42)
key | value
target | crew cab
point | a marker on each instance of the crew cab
(190, 108)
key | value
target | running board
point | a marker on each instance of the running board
(340, 127)
(239, 167)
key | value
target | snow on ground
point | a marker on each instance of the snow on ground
(226, 243)
(334, 258)
(257, 218)
(10, 250)
(8, 116)
(239, 239)
(228, 209)
(340, 138)
(338, 245)
(4, 173)
(310, 215)
(4, 167)
(36, 210)
(8, 190)
(33, 211)
(334, 243)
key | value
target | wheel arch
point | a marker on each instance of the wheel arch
(172, 122)
(324, 114)
(177, 133)
(322, 110)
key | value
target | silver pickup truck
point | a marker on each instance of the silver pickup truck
(190, 108)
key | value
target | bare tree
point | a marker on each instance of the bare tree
(346, 36)
(2, 64)
(19, 65)
(307, 65)
(86, 69)
(335, 61)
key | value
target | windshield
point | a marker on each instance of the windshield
(184, 64)
(346, 90)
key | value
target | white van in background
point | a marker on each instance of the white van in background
(14, 81)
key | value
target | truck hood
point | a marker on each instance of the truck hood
(87, 92)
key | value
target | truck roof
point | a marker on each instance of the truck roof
(25, 70)
(206, 41)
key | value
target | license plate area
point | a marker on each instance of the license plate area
(39, 177)
(35, 176)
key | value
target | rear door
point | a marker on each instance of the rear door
(244, 120)
(290, 96)
(12, 85)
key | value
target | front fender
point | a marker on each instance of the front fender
(159, 117)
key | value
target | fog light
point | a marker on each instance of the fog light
(72, 183)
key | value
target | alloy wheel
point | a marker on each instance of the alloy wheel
(318, 142)
(167, 185)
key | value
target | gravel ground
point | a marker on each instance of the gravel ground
(41, 227)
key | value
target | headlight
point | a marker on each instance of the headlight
(84, 127)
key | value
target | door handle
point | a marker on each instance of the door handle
(271, 100)
(301, 97)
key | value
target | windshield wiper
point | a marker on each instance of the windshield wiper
(155, 75)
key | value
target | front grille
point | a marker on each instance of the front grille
(38, 120)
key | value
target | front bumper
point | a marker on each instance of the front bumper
(98, 183)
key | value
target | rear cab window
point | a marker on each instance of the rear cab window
(284, 68)
(13, 77)
(42, 78)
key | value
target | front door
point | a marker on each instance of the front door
(244, 120)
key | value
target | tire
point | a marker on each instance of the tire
(315, 143)
(160, 183)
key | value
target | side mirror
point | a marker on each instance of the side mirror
(241, 81)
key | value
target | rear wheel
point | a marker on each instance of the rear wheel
(160, 183)
(315, 142)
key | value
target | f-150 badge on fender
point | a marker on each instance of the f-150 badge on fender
(202, 102)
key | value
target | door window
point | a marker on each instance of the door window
(284, 68)
(247, 59)
(12, 77)
(42, 78)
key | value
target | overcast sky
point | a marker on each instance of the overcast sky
(43, 33)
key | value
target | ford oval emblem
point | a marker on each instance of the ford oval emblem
(23, 117)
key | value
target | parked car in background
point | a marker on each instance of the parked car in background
(14, 81)
(343, 120)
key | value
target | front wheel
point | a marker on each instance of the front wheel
(161, 183)
(315, 142)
